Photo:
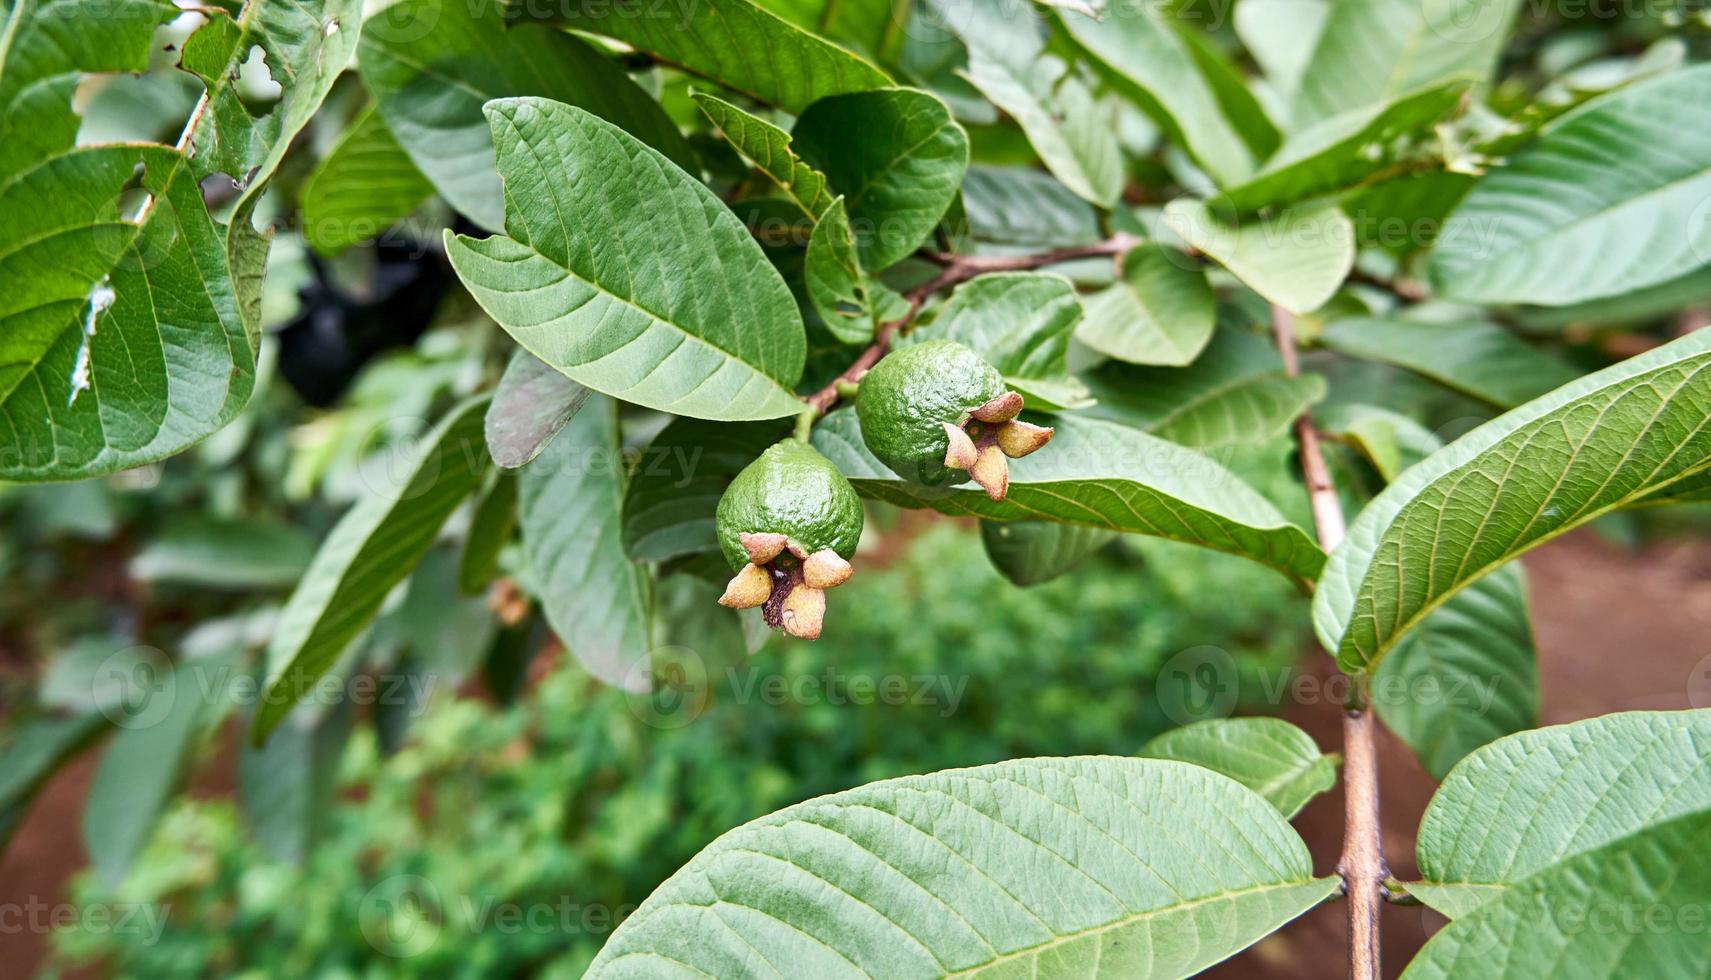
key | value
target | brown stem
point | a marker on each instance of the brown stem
(956, 269)
(1362, 863)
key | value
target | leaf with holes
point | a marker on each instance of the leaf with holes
(569, 502)
(372, 548)
(1100, 474)
(1551, 465)
(125, 340)
(1470, 356)
(1467, 675)
(1235, 393)
(364, 185)
(1296, 259)
(1159, 312)
(1079, 867)
(672, 306)
(896, 156)
(432, 66)
(1270, 756)
(1530, 807)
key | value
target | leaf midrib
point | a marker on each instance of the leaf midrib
(1129, 920)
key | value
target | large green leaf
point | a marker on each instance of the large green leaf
(897, 157)
(1270, 756)
(432, 65)
(1470, 356)
(1634, 908)
(1467, 675)
(733, 42)
(1560, 223)
(1049, 868)
(124, 339)
(1031, 552)
(1369, 145)
(1143, 56)
(1015, 209)
(1235, 393)
(1513, 483)
(364, 185)
(1372, 50)
(570, 507)
(46, 46)
(1074, 138)
(768, 148)
(675, 489)
(1159, 312)
(372, 548)
(1102, 475)
(658, 296)
(1547, 799)
(1295, 259)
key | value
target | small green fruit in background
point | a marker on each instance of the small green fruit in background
(933, 409)
(788, 525)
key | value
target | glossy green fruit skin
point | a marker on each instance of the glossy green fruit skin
(905, 400)
(791, 489)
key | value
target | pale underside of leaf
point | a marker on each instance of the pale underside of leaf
(1270, 756)
(1089, 867)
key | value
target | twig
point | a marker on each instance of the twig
(1362, 863)
(956, 269)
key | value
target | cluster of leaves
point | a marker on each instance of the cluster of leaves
(692, 221)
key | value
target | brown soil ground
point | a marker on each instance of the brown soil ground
(1617, 630)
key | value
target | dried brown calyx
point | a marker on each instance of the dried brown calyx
(990, 438)
(787, 582)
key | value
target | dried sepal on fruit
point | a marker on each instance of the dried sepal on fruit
(788, 524)
(932, 410)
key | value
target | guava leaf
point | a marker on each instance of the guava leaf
(851, 304)
(1020, 322)
(1074, 139)
(1049, 868)
(743, 47)
(433, 65)
(627, 274)
(489, 531)
(569, 503)
(1142, 55)
(1551, 465)
(363, 186)
(896, 156)
(1159, 311)
(371, 549)
(1511, 821)
(1270, 756)
(1031, 552)
(1017, 209)
(1470, 356)
(1558, 225)
(1373, 50)
(1466, 676)
(287, 785)
(1295, 259)
(1100, 474)
(1235, 393)
(1389, 440)
(768, 148)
